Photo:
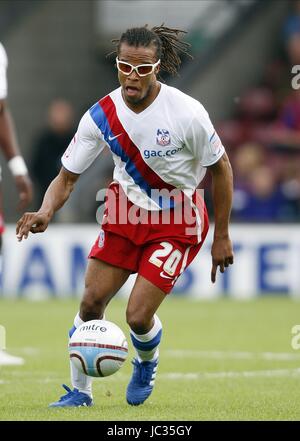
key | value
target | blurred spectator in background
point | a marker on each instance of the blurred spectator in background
(248, 157)
(263, 201)
(292, 47)
(289, 176)
(50, 144)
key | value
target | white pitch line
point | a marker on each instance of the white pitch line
(175, 376)
(236, 355)
(189, 353)
(29, 351)
(43, 381)
(230, 374)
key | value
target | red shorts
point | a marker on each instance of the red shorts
(158, 251)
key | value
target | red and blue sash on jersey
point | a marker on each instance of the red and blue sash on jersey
(105, 116)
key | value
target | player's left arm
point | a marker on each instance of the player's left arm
(222, 191)
(16, 164)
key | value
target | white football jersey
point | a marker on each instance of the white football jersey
(166, 146)
(3, 68)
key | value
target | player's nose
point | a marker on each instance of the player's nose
(133, 76)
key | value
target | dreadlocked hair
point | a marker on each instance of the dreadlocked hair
(167, 41)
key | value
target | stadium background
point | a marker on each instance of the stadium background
(243, 54)
(244, 51)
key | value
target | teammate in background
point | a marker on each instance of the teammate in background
(16, 164)
(160, 139)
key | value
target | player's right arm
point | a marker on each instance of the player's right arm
(56, 195)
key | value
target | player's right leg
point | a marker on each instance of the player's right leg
(102, 282)
(145, 333)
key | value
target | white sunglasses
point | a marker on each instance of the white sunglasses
(142, 69)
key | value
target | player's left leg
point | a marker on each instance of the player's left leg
(145, 332)
(160, 265)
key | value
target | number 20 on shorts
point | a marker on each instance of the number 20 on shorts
(172, 261)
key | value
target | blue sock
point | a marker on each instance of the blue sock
(146, 345)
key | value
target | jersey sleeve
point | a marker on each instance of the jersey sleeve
(3, 68)
(202, 139)
(86, 145)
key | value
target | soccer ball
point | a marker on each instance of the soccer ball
(98, 348)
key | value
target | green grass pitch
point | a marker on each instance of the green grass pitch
(220, 360)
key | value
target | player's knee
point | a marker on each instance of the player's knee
(138, 320)
(92, 306)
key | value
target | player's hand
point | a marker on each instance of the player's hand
(24, 187)
(31, 223)
(222, 255)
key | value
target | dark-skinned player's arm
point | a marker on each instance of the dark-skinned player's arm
(222, 191)
(56, 195)
(11, 151)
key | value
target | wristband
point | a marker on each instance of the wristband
(17, 166)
